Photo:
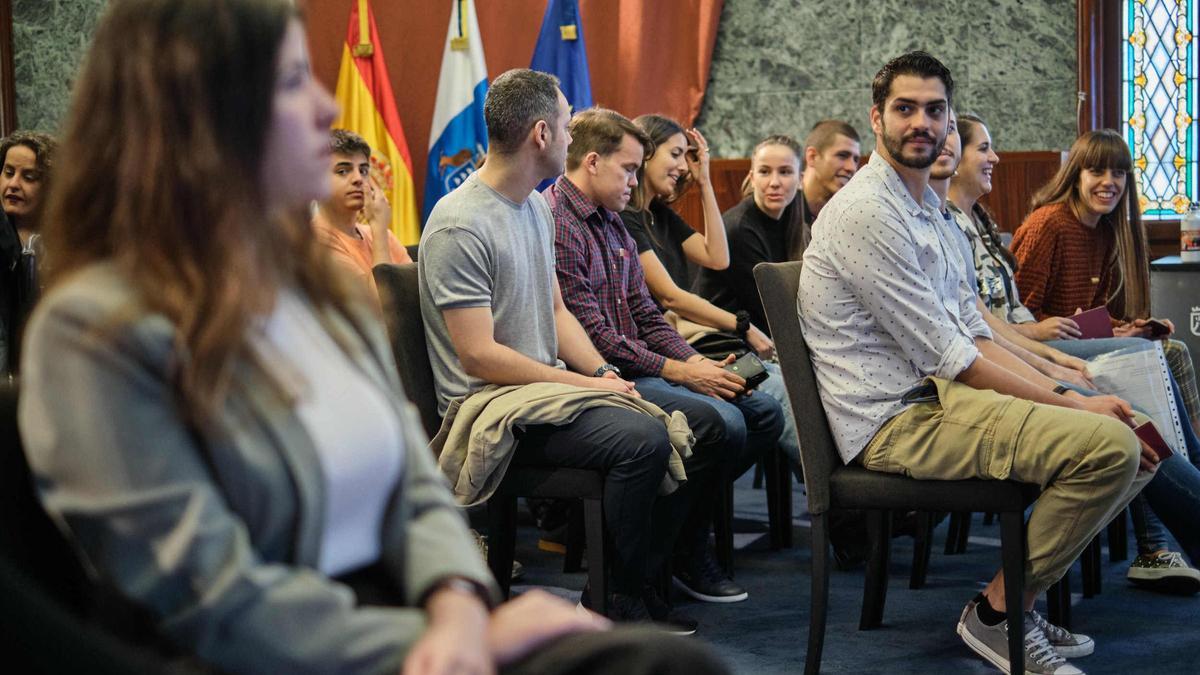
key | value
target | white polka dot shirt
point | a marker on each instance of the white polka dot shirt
(882, 303)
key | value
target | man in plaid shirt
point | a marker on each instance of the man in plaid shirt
(604, 287)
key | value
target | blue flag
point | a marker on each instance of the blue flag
(458, 135)
(560, 51)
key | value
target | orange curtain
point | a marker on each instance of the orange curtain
(646, 56)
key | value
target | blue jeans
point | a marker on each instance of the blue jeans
(774, 387)
(738, 431)
(1178, 482)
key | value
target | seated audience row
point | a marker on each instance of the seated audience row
(993, 267)
(214, 417)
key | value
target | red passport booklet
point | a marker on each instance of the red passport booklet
(1094, 323)
(1148, 433)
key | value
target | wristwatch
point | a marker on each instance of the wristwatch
(462, 585)
(743, 322)
(606, 368)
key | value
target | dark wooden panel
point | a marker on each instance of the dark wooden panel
(1015, 179)
(727, 176)
(8, 89)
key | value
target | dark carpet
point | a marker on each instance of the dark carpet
(1136, 631)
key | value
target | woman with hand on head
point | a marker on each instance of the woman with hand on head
(213, 420)
(667, 244)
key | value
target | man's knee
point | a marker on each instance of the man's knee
(763, 414)
(645, 438)
(1114, 449)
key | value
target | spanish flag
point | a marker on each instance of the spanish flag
(364, 93)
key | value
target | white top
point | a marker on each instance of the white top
(354, 429)
(883, 302)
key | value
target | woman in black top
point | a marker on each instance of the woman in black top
(766, 226)
(667, 244)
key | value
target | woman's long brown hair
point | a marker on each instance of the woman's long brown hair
(163, 178)
(1105, 149)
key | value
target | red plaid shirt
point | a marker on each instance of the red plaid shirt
(604, 287)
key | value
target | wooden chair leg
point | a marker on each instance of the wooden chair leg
(502, 539)
(879, 535)
(774, 524)
(819, 602)
(922, 546)
(593, 519)
(723, 528)
(575, 541)
(963, 533)
(784, 505)
(1090, 565)
(956, 522)
(1012, 552)
(1118, 537)
(1058, 602)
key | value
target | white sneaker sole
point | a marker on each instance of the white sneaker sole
(1166, 581)
(720, 599)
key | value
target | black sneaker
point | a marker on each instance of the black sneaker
(701, 577)
(665, 615)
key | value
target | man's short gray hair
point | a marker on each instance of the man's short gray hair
(515, 102)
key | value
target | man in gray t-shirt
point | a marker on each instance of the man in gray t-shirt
(493, 314)
(487, 251)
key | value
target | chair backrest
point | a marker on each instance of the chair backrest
(50, 608)
(29, 540)
(401, 301)
(777, 286)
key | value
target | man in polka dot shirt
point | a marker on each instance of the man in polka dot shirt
(912, 382)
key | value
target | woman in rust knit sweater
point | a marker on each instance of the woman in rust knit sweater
(1084, 246)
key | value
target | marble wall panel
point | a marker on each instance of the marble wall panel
(49, 40)
(781, 65)
(778, 65)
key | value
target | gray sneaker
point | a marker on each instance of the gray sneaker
(1068, 645)
(991, 642)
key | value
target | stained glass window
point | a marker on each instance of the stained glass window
(1159, 102)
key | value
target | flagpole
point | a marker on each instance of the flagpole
(364, 46)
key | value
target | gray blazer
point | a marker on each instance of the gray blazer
(217, 530)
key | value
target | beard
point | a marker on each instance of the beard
(895, 148)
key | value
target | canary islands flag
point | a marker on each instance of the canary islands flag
(560, 51)
(368, 108)
(458, 135)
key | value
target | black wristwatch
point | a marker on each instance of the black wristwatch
(606, 368)
(743, 322)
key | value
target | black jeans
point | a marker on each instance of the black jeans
(730, 437)
(632, 450)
